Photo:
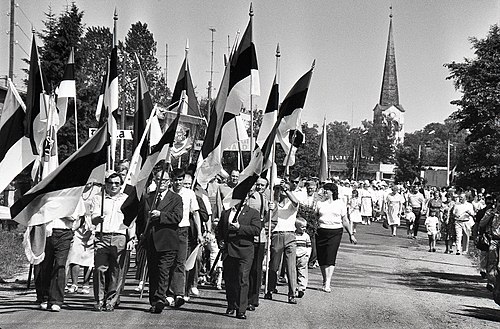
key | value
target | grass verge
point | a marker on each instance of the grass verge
(12, 258)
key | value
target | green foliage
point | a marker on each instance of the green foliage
(478, 79)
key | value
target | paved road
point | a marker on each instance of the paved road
(383, 282)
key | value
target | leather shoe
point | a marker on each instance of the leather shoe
(158, 307)
(268, 295)
(292, 300)
(241, 316)
(230, 311)
(179, 301)
(250, 307)
(300, 294)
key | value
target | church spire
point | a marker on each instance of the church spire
(389, 94)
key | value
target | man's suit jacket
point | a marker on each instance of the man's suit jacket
(239, 243)
(164, 228)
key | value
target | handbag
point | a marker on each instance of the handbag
(385, 224)
(483, 242)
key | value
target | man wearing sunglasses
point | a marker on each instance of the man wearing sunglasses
(113, 239)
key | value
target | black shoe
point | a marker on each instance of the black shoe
(250, 307)
(158, 307)
(179, 301)
(490, 287)
(300, 294)
(483, 274)
(292, 300)
(241, 316)
(230, 311)
(268, 295)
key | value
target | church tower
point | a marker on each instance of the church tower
(389, 111)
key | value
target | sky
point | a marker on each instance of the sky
(347, 38)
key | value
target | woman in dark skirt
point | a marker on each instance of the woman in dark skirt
(332, 219)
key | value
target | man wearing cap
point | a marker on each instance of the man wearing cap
(113, 239)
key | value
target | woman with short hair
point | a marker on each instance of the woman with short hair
(332, 219)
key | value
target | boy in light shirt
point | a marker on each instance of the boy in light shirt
(303, 251)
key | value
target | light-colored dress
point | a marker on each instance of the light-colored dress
(366, 202)
(354, 210)
(394, 204)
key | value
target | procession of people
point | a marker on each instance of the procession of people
(172, 233)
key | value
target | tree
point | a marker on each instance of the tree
(478, 79)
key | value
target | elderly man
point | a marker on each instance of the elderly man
(113, 239)
(258, 201)
(235, 234)
(463, 212)
(161, 239)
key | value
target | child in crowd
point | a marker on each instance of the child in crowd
(354, 210)
(409, 216)
(432, 225)
(303, 252)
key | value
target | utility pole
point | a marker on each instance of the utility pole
(166, 64)
(11, 39)
(210, 82)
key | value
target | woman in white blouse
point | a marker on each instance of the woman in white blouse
(332, 219)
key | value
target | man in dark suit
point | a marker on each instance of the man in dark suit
(161, 240)
(235, 233)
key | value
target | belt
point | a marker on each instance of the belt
(109, 233)
(61, 229)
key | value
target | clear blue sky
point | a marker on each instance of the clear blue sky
(346, 37)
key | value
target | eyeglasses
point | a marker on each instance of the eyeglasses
(113, 183)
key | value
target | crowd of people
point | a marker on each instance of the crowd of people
(185, 235)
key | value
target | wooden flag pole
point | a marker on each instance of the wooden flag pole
(271, 184)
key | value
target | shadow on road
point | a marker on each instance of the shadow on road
(482, 313)
(445, 283)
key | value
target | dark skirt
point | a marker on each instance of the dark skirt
(327, 245)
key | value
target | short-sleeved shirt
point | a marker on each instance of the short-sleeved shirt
(287, 214)
(431, 223)
(189, 205)
(331, 213)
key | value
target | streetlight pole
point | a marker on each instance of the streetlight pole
(448, 165)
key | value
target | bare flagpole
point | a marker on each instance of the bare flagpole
(271, 180)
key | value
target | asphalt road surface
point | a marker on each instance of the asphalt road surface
(383, 282)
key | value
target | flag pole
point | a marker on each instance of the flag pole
(251, 85)
(271, 181)
(240, 155)
(76, 113)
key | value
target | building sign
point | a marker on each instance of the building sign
(122, 133)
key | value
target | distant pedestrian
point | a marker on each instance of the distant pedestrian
(432, 224)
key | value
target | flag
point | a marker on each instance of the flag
(143, 119)
(100, 112)
(184, 82)
(110, 101)
(260, 161)
(34, 129)
(270, 114)
(140, 176)
(67, 89)
(58, 194)
(239, 81)
(323, 155)
(15, 148)
(289, 133)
